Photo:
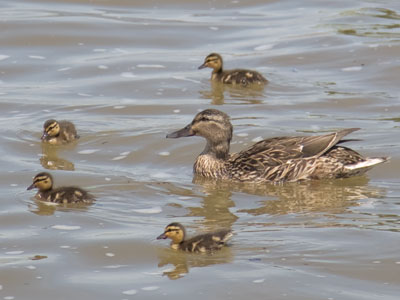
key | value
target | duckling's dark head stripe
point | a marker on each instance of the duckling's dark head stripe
(41, 178)
(170, 228)
(50, 122)
(51, 127)
(213, 56)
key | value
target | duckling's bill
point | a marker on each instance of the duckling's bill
(162, 236)
(32, 186)
(44, 136)
(203, 66)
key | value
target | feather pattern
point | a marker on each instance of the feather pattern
(207, 242)
(59, 132)
(44, 183)
(276, 159)
(238, 76)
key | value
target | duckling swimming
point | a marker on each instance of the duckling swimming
(59, 132)
(207, 242)
(44, 182)
(237, 76)
(276, 159)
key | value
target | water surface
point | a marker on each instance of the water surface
(125, 72)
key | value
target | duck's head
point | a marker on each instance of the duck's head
(174, 231)
(42, 181)
(50, 128)
(212, 124)
(213, 61)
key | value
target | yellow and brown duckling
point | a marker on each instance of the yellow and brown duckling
(59, 132)
(237, 76)
(44, 183)
(207, 242)
(276, 159)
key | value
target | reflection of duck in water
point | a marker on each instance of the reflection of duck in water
(207, 242)
(59, 132)
(333, 196)
(236, 94)
(44, 183)
(272, 160)
(183, 261)
(238, 76)
(50, 160)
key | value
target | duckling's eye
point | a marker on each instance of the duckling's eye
(50, 128)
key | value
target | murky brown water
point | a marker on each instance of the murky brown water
(126, 73)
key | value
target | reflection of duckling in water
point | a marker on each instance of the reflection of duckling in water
(50, 159)
(276, 159)
(44, 182)
(207, 242)
(59, 132)
(180, 263)
(237, 76)
(235, 93)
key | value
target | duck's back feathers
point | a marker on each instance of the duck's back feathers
(240, 77)
(68, 131)
(207, 242)
(65, 195)
(275, 151)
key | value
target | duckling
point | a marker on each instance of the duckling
(238, 76)
(207, 242)
(59, 132)
(44, 182)
(276, 159)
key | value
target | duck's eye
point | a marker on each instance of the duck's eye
(50, 128)
(204, 119)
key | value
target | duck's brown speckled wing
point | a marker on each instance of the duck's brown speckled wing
(67, 195)
(243, 77)
(284, 158)
(207, 242)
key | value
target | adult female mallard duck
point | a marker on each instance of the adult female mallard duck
(59, 132)
(207, 242)
(276, 159)
(44, 182)
(237, 76)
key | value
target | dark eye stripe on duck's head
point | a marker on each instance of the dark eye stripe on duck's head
(51, 127)
(176, 228)
(43, 181)
(40, 178)
(203, 122)
(209, 115)
(212, 60)
(213, 57)
(50, 123)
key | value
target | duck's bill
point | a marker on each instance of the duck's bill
(202, 66)
(31, 187)
(44, 136)
(187, 131)
(162, 237)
